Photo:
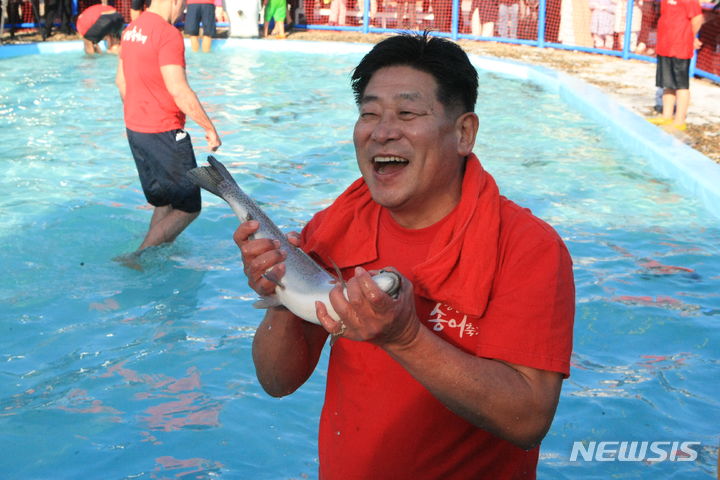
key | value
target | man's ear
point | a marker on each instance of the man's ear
(466, 126)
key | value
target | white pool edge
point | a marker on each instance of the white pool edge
(692, 171)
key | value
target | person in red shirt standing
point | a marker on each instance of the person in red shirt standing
(679, 23)
(458, 377)
(156, 98)
(205, 12)
(99, 22)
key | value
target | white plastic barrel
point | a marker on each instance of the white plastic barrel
(244, 17)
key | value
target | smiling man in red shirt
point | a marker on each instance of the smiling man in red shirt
(459, 376)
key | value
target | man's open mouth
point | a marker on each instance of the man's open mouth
(386, 165)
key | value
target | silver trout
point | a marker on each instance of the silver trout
(305, 281)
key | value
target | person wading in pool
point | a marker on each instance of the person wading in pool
(459, 376)
(156, 96)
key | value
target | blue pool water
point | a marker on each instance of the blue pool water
(112, 373)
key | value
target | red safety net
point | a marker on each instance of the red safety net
(708, 57)
(482, 18)
(27, 12)
(509, 19)
(600, 25)
(19, 12)
(403, 14)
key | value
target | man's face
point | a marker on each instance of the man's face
(407, 147)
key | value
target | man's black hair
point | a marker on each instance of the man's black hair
(443, 59)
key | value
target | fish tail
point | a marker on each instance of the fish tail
(211, 177)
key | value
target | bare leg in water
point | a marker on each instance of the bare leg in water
(166, 224)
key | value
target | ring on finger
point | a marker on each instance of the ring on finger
(341, 331)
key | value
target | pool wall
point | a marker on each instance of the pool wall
(18, 50)
(695, 173)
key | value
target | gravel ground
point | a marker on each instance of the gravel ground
(630, 82)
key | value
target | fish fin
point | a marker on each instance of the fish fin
(270, 276)
(211, 177)
(267, 302)
(338, 272)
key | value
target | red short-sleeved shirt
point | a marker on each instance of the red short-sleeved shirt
(675, 37)
(217, 3)
(149, 43)
(89, 16)
(379, 423)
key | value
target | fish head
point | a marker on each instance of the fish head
(389, 282)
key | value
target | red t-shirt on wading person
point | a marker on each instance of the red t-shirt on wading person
(217, 3)
(149, 43)
(491, 279)
(89, 16)
(675, 37)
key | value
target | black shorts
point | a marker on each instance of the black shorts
(162, 161)
(672, 73)
(200, 12)
(106, 24)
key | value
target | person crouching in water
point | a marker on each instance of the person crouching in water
(100, 22)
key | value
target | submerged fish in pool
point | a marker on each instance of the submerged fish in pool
(304, 281)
